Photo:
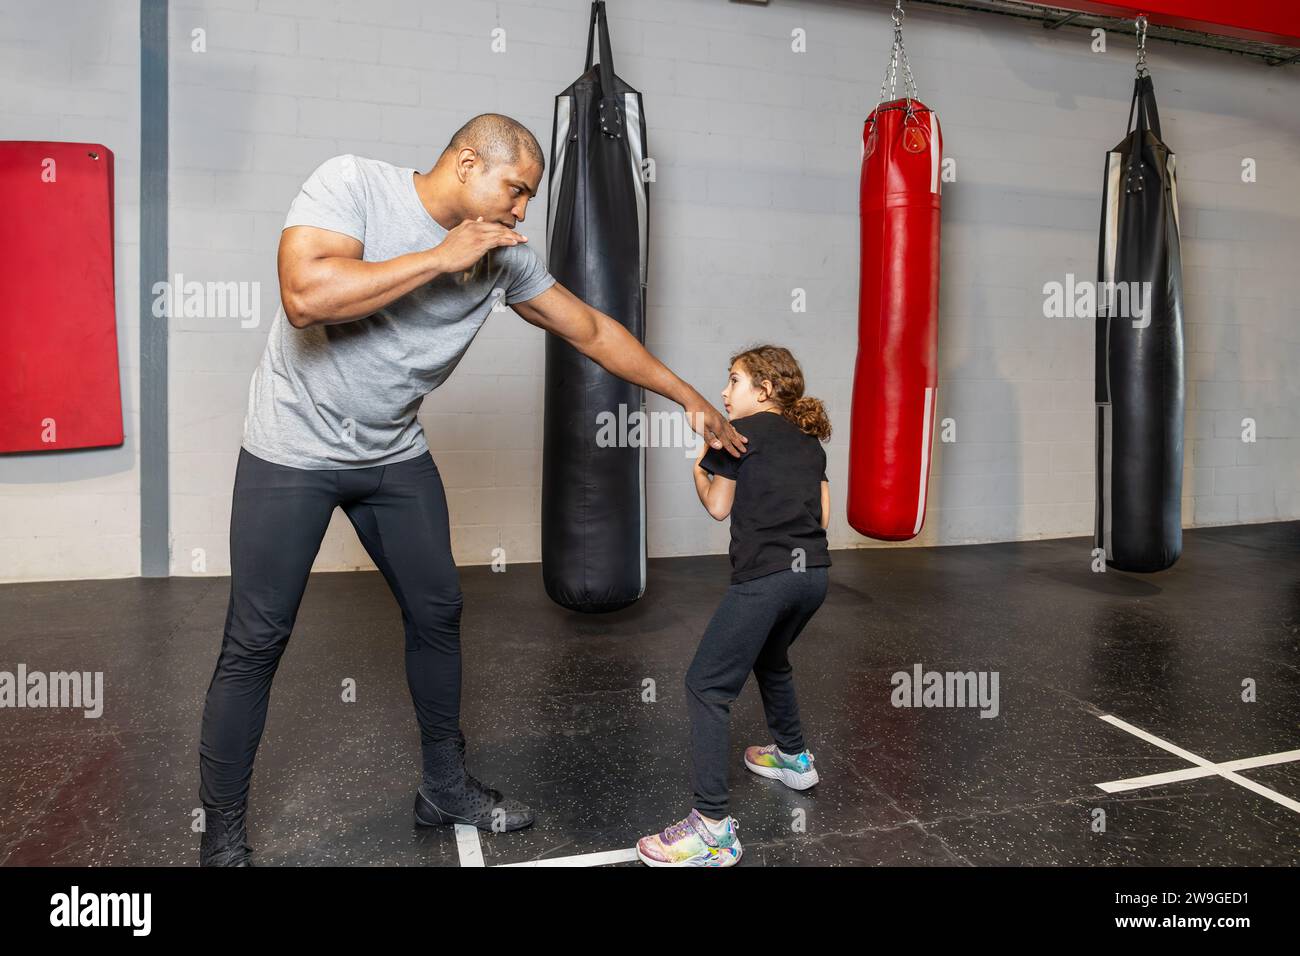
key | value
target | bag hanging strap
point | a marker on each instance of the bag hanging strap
(1144, 103)
(611, 112)
(1148, 107)
(1144, 93)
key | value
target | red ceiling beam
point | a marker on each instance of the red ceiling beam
(1265, 21)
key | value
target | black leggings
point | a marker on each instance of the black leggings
(752, 628)
(278, 518)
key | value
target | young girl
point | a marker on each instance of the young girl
(779, 502)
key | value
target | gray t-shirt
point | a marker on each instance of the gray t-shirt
(346, 395)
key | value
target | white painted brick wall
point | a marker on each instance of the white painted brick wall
(757, 151)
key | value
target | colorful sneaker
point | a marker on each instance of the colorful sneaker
(797, 774)
(690, 842)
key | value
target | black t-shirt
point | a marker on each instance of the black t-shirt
(778, 503)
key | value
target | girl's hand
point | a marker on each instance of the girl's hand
(704, 450)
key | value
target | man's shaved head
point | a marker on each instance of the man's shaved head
(491, 168)
(497, 139)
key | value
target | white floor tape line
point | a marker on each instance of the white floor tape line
(470, 850)
(468, 846)
(1203, 768)
(603, 858)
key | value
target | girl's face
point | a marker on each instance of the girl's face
(741, 398)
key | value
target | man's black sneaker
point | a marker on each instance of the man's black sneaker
(473, 803)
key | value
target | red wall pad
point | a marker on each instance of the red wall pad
(896, 377)
(58, 330)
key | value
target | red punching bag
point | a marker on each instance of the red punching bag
(895, 380)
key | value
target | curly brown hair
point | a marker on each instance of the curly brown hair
(776, 365)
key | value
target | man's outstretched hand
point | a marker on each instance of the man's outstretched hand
(711, 425)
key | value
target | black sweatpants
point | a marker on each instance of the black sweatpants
(752, 629)
(278, 518)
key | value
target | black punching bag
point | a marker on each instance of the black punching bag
(593, 491)
(1140, 391)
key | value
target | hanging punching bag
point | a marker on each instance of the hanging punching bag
(1139, 367)
(593, 488)
(895, 378)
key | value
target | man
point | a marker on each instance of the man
(386, 274)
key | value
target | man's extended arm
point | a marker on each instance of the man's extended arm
(615, 349)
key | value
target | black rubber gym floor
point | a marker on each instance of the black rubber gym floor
(555, 711)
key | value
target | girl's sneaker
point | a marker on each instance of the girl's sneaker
(692, 842)
(797, 772)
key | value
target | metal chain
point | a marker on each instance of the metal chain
(896, 54)
(1141, 26)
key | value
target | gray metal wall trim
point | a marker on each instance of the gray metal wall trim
(155, 558)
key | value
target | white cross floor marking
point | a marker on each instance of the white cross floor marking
(1203, 768)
